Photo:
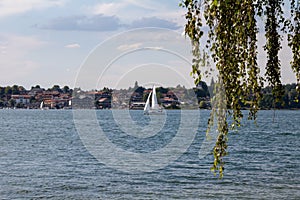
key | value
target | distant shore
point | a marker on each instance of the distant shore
(179, 97)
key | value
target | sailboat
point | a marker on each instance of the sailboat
(42, 105)
(154, 108)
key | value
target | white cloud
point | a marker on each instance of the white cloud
(14, 60)
(153, 22)
(16, 45)
(72, 46)
(127, 47)
(12, 7)
(133, 10)
(125, 8)
(109, 9)
(83, 23)
(146, 4)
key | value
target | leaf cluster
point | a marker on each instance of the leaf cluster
(232, 42)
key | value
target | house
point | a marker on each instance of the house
(103, 103)
(83, 102)
(34, 91)
(137, 105)
(21, 99)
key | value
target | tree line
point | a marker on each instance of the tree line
(291, 99)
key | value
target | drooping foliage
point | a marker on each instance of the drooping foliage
(232, 45)
(294, 39)
(274, 17)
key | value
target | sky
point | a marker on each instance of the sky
(99, 43)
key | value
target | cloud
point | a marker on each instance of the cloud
(104, 23)
(127, 47)
(72, 46)
(108, 9)
(14, 60)
(154, 22)
(84, 23)
(146, 4)
(12, 7)
(133, 9)
(122, 9)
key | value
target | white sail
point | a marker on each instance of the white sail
(154, 105)
(42, 105)
(147, 105)
(154, 108)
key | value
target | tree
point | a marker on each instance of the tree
(21, 89)
(56, 88)
(162, 90)
(15, 89)
(11, 103)
(37, 86)
(139, 90)
(202, 105)
(105, 89)
(7, 90)
(232, 46)
(66, 89)
(2, 91)
(2, 103)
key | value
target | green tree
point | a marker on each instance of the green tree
(232, 46)
(37, 86)
(66, 89)
(139, 90)
(32, 99)
(15, 89)
(56, 88)
(20, 105)
(2, 91)
(12, 103)
(202, 105)
(267, 101)
(105, 89)
(145, 96)
(162, 90)
(2, 103)
(8, 90)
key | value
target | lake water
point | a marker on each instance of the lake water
(44, 154)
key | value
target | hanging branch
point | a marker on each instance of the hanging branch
(233, 34)
(294, 39)
(194, 32)
(233, 46)
(274, 16)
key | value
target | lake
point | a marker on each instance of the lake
(117, 154)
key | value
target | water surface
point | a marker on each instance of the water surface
(42, 156)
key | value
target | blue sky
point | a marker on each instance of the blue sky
(50, 42)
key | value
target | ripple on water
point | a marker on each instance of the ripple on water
(42, 156)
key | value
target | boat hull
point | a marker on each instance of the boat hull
(154, 112)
